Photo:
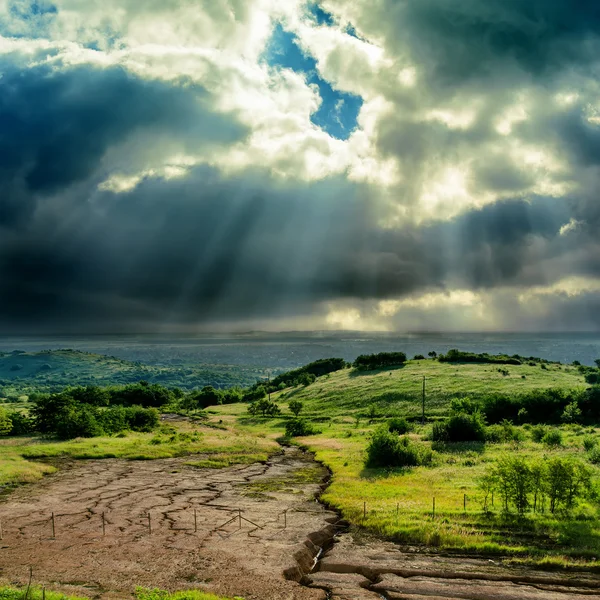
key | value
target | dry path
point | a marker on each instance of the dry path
(173, 549)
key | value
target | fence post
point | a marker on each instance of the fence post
(364, 510)
(1, 532)
(149, 523)
(195, 521)
(103, 524)
(285, 519)
(433, 508)
(53, 527)
(464, 502)
(240, 517)
(492, 498)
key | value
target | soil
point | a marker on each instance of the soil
(251, 531)
(245, 557)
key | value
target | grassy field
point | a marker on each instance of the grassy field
(218, 447)
(36, 593)
(399, 391)
(398, 503)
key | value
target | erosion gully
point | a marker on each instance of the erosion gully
(254, 531)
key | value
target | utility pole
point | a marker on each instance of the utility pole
(269, 384)
(423, 403)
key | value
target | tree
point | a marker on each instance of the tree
(432, 354)
(92, 394)
(515, 482)
(5, 422)
(296, 407)
(265, 407)
(597, 362)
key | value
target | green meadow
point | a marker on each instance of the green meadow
(345, 407)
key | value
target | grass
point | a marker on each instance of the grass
(35, 593)
(399, 391)
(220, 447)
(399, 502)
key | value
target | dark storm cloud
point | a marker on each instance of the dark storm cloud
(471, 38)
(211, 248)
(57, 125)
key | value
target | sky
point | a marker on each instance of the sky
(226, 165)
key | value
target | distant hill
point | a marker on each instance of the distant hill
(52, 370)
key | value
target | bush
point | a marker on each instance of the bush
(265, 407)
(6, 424)
(298, 427)
(383, 360)
(506, 432)
(538, 432)
(295, 407)
(553, 438)
(399, 425)
(21, 424)
(460, 427)
(470, 357)
(594, 455)
(419, 357)
(388, 450)
(589, 443)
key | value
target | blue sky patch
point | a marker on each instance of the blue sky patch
(319, 14)
(338, 112)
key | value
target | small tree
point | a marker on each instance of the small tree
(5, 422)
(265, 407)
(296, 407)
(597, 361)
(432, 354)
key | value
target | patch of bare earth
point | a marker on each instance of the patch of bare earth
(371, 569)
(240, 541)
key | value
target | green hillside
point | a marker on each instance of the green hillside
(399, 391)
(22, 372)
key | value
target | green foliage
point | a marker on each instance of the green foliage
(199, 400)
(418, 357)
(22, 424)
(35, 593)
(264, 407)
(460, 427)
(254, 394)
(298, 427)
(589, 443)
(156, 594)
(503, 433)
(571, 414)
(538, 432)
(456, 356)
(142, 394)
(92, 394)
(295, 407)
(553, 438)
(383, 360)
(386, 449)
(6, 424)
(307, 374)
(524, 484)
(399, 425)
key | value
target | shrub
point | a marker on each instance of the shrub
(589, 443)
(295, 407)
(388, 450)
(594, 455)
(265, 407)
(538, 432)
(460, 427)
(369, 362)
(399, 425)
(6, 424)
(506, 432)
(571, 414)
(298, 427)
(419, 357)
(21, 424)
(553, 438)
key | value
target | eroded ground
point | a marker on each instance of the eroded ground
(170, 550)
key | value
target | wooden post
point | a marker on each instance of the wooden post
(240, 516)
(1, 532)
(53, 527)
(103, 524)
(397, 510)
(285, 519)
(465, 502)
(423, 403)
(149, 523)
(44, 593)
(434, 507)
(492, 498)
(195, 521)
(364, 510)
